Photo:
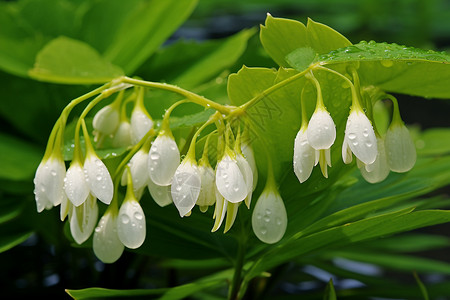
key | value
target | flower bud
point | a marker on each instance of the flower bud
(321, 131)
(400, 149)
(161, 194)
(379, 169)
(207, 191)
(163, 160)
(75, 185)
(141, 123)
(186, 186)
(131, 223)
(106, 120)
(98, 178)
(303, 156)
(269, 218)
(49, 183)
(122, 137)
(230, 180)
(106, 243)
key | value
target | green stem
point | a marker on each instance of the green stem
(396, 118)
(192, 97)
(319, 102)
(191, 152)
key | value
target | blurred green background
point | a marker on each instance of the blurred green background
(37, 259)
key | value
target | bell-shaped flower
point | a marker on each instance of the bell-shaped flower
(161, 194)
(400, 149)
(106, 120)
(141, 122)
(230, 178)
(186, 186)
(232, 210)
(131, 222)
(122, 137)
(75, 185)
(359, 138)
(207, 191)
(98, 178)
(163, 159)
(304, 156)
(65, 207)
(269, 218)
(83, 220)
(49, 182)
(138, 169)
(379, 169)
(106, 243)
(321, 134)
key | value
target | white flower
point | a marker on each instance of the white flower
(207, 191)
(220, 210)
(138, 169)
(321, 134)
(163, 160)
(359, 138)
(75, 185)
(304, 156)
(321, 131)
(230, 180)
(83, 220)
(269, 218)
(106, 120)
(122, 137)
(141, 123)
(400, 149)
(98, 178)
(379, 169)
(161, 194)
(247, 172)
(186, 186)
(232, 210)
(106, 243)
(131, 223)
(247, 151)
(49, 183)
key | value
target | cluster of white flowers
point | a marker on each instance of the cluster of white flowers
(376, 156)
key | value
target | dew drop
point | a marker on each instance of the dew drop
(369, 144)
(98, 162)
(98, 177)
(263, 230)
(268, 211)
(352, 136)
(138, 215)
(355, 143)
(53, 172)
(366, 132)
(125, 219)
(155, 156)
(98, 229)
(266, 219)
(278, 221)
(259, 216)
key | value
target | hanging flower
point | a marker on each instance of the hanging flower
(75, 185)
(138, 169)
(141, 122)
(83, 219)
(131, 222)
(359, 138)
(122, 137)
(163, 160)
(207, 191)
(379, 169)
(106, 120)
(186, 186)
(230, 180)
(400, 149)
(49, 182)
(98, 178)
(161, 194)
(106, 243)
(304, 156)
(269, 218)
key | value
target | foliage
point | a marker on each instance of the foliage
(46, 60)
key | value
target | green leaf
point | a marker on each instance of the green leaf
(65, 60)
(301, 58)
(146, 27)
(99, 293)
(13, 233)
(413, 242)
(199, 63)
(18, 159)
(422, 287)
(435, 141)
(370, 228)
(395, 68)
(280, 37)
(330, 294)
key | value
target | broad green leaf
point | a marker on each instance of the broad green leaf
(199, 63)
(146, 27)
(102, 293)
(395, 68)
(10, 208)
(365, 229)
(18, 159)
(280, 37)
(65, 60)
